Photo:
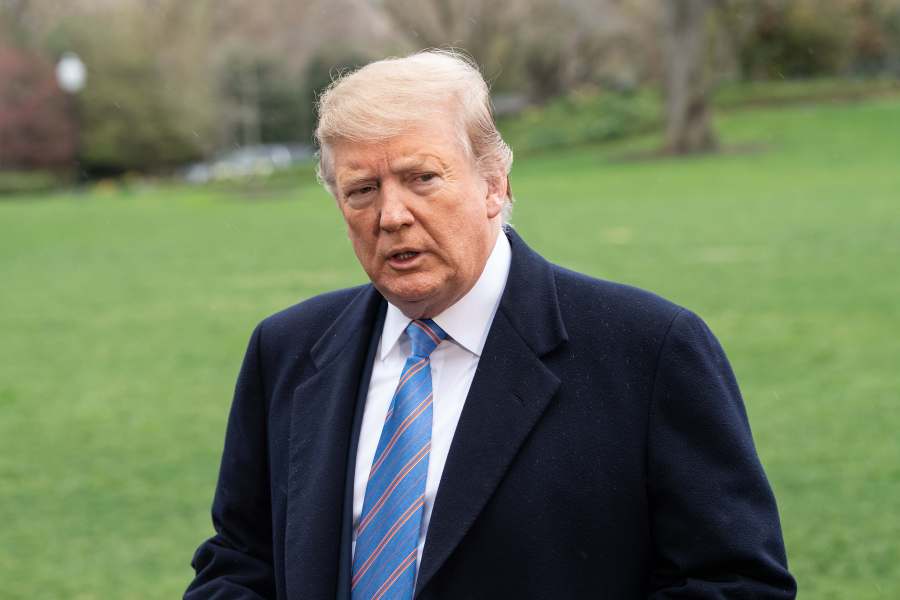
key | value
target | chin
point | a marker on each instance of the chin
(413, 300)
(407, 296)
(413, 287)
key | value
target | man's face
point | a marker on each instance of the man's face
(421, 218)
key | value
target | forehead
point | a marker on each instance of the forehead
(427, 143)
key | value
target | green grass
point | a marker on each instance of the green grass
(124, 315)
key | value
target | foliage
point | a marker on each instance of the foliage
(320, 71)
(796, 39)
(541, 48)
(266, 99)
(592, 116)
(36, 128)
(171, 81)
(273, 104)
(781, 93)
(586, 116)
(282, 106)
(127, 120)
(139, 110)
(876, 37)
(18, 183)
(803, 38)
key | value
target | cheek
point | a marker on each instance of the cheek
(460, 243)
(359, 229)
(363, 247)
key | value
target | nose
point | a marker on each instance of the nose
(394, 212)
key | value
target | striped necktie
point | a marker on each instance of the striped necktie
(387, 535)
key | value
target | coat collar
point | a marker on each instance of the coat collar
(530, 300)
(352, 328)
(321, 438)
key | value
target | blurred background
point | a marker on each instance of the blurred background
(158, 198)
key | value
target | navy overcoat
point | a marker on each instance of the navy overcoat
(603, 452)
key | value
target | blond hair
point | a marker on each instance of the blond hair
(388, 97)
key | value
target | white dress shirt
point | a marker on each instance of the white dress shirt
(453, 365)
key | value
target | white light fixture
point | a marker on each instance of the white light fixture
(71, 73)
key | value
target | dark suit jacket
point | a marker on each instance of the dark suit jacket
(603, 452)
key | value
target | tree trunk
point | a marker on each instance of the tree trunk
(685, 78)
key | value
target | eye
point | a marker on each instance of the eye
(360, 196)
(425, 177)
(361, 191)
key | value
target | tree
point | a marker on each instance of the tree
(147, 103)
(686, 38)
(542, 48)
(36, 129)
(477, 27)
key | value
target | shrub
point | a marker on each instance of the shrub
(585, 116)
(137, 111)
(796, 39)
(27, 182)
(36, 130)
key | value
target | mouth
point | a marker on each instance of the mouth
(403, 259)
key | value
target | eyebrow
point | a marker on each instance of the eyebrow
(353, 180)
(416, 161)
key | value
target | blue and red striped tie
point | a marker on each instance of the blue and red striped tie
(387, 535)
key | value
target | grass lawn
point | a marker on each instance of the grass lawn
(124, 316)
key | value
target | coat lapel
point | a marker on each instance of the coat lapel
(321, 426)
(511, 390)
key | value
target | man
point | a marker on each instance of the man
(477, 423)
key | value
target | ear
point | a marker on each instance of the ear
(496, 194)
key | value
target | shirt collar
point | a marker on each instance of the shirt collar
(468, 321)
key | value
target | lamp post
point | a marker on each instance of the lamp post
(71, 75)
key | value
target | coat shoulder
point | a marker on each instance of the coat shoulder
(587, 302)
(301, 325)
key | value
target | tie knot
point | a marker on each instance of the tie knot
(425, 335)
